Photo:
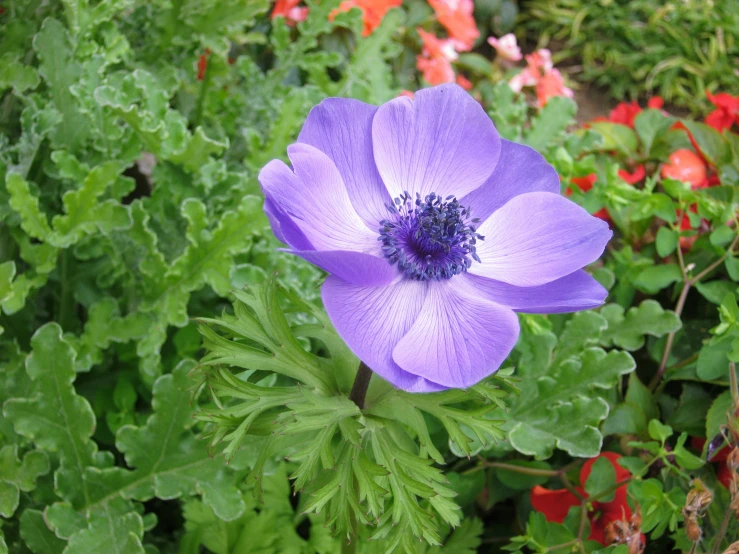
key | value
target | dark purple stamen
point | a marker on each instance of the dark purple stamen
(433, 239)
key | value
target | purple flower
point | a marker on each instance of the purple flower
(434, 230)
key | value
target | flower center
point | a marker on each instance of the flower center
(430, 238)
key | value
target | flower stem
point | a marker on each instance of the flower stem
(361, 383)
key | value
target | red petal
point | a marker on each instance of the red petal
(724, 474)
(632, 178)
(655, 102)
(585, 183)
(720, 119)
(554, 504)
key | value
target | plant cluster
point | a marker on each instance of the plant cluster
(171, 383)
(639, 48)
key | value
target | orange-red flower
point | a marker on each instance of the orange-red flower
(435, 59)
(687, 166)
(456, 17)
(290, 10)
(726, 112)
(555, 504)
(551, 84)
(464, 82)
(372, 11)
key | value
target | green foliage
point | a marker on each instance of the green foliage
(131, 136)
(351, 465)
(676, 50)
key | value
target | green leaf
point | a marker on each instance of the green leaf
(650, 125)
(658, 431)
(36, 534)
(657, 277)
(616, 137)
(23, 201)
(84, 215)
(602, 477)
(715, 291)
(717, 414)
(684, 457)
(713, 363)
(550, 122)
(17, 475)
(712, 145)
(54, 417)
(628, 331)
(61, 71)
(666, 241)
(639, 395)
(560, 410)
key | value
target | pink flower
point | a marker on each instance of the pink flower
(537, 65)
(506, 47)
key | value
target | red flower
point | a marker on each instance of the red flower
(555, 504)
(456, 17)
(372, 11)
(290, 11)
(624, 113)
(687, 166)
(723, 473)
(632, 178)
(726, 112)
(585, 184)
(655, 103)
(203, 64)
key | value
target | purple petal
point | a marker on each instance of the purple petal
(353, 267)
(458, 339)
(574, 292)
(442, 142)
(341, 128)
(371, 320)
(537, 238)
(284, 228)
(520, 169)
(315, 199)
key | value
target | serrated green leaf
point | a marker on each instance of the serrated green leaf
(657, 277)
(628, 331)
(36, 534)
(550, 122)
(558, 410)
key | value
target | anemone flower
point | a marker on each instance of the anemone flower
(434, 231)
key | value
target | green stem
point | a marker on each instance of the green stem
(688, 282)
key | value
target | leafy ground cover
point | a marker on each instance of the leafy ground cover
(171, 383)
